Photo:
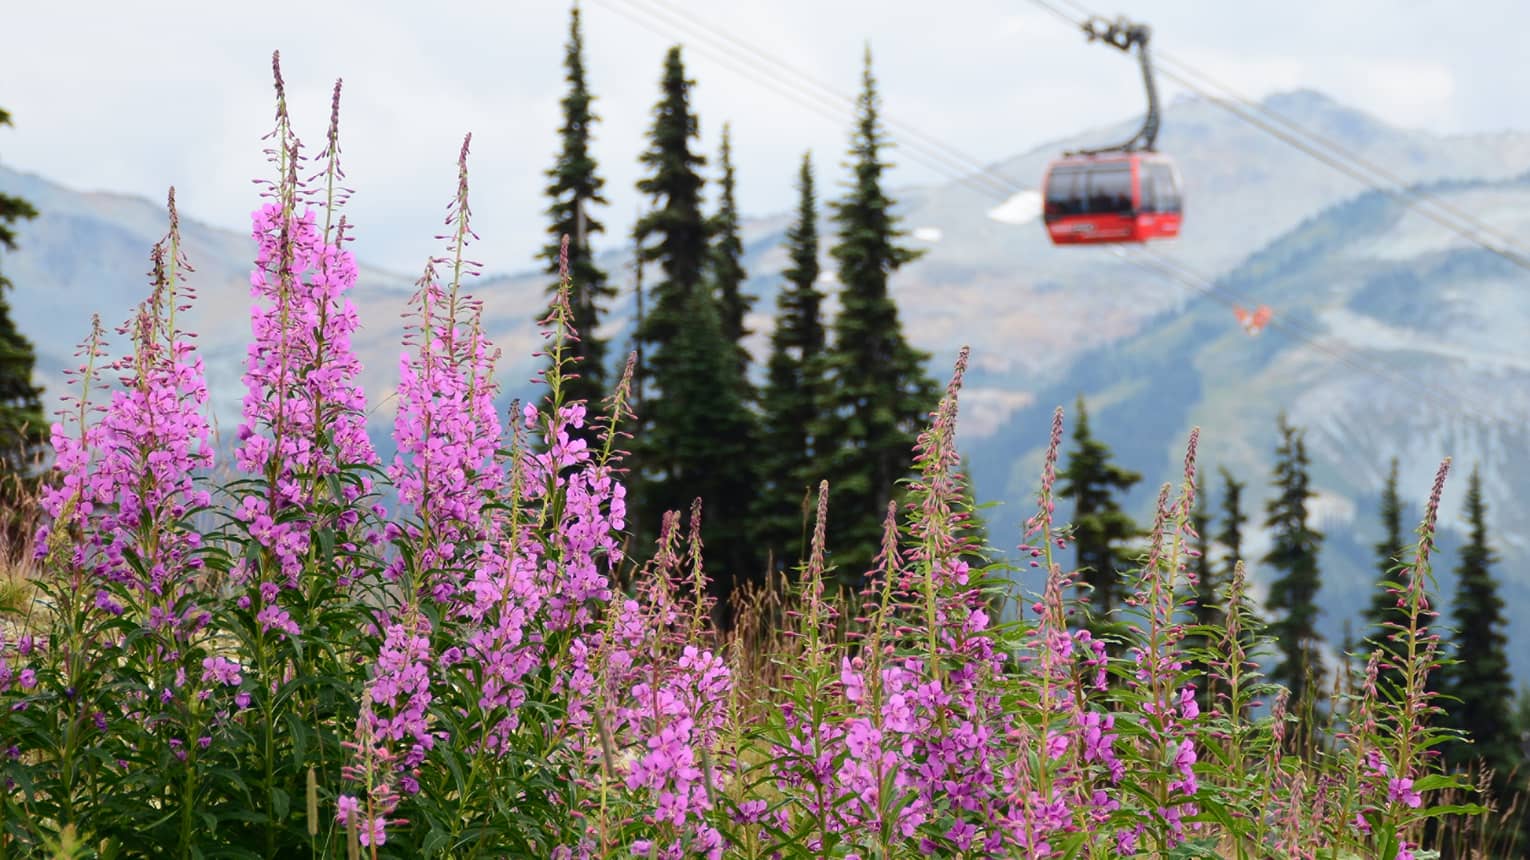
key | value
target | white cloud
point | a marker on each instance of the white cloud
(1403, 92)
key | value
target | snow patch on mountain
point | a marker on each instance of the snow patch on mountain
(1020, 208)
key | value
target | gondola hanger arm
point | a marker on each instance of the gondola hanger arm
(1125, 35)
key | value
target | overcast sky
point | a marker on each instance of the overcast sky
(135, 97)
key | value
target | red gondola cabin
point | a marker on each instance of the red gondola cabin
(1112, 198)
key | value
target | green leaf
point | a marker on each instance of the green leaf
(1452, 809)
(435, 841)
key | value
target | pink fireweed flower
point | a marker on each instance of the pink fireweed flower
(393, 731)
(301, 376)
(304, 415)
(346, 806)
(76, 440)
(447, 431)
(221, 670)
(1400, 790)
(399, 694)
(447, 428)
(662, 701)
(132, 478)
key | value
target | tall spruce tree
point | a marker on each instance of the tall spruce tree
(1479, 679)
(1385, 608)
(1100, 528)
(696, 433)
(1294, 557)
(727, 259)
(1207, 610)
(1233, 520)
(794, 390)
(574, 186)
(673, 233)
(23, 428)
(1230, 537)
(880, 394)
(699, 443)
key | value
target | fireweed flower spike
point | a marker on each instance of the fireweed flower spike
(1394, 742)
(447, 429)
(76, 443)
(304, 413)
(1159, 686)
(133, 477)
(132, 483)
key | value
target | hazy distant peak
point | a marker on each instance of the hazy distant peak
(1301, 100)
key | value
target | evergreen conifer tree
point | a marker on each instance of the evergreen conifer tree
(727, 257)
(697, 433)
(23, 428)
(1233, 520)
(1100, 528)
(1294, 589)
(880, 394)
(1385, 608)
(972, 530)
(1479, 679)
(700, 441)
(574, 186)
(794, 390)
(673, 233)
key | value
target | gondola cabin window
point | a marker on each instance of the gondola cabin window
(1110, 188)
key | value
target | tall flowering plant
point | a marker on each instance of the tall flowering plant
(133, 482)
(301, 534)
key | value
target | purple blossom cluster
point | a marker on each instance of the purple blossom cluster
(650, 707)
(130, 479)
(448, 432)
(24, 678)
(516, 551)
(912, 740)
(304, 411)
(393, 734)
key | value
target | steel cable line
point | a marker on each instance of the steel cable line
(1411, 200)
(826, 103)
(945, 149)
(1001, 188)
(1344, 161)
(1466, 218)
